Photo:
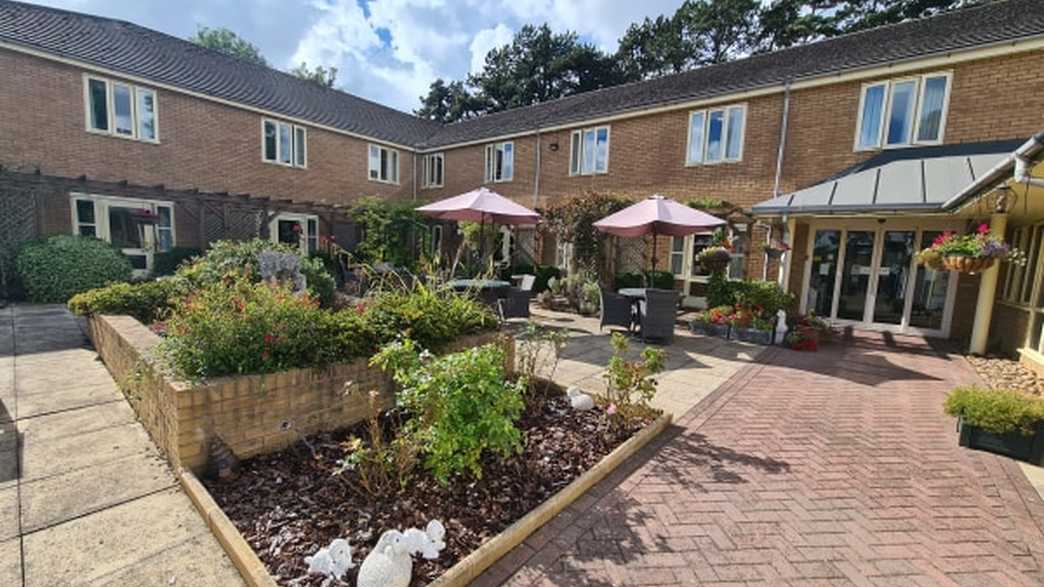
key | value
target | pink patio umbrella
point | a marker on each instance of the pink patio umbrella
(657, 215)
(481, 205)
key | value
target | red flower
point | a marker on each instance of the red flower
(984, 229)
(271, 338)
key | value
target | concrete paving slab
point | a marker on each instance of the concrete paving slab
(90, 548)
(8, 468)
(46, 380)
(69, 453)
(66, 399)
(11, 562)
(74, 422)
(8, 513)
(195, 562)
(59, 498)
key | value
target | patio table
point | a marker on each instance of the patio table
(478, 284)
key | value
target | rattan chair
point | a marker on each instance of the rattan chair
(657, 313)
(515, 305)
(616, 310)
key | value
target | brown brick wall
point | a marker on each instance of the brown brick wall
(1008, 329)
(203, 144)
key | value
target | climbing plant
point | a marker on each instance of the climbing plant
(572, 220)
(390, 231)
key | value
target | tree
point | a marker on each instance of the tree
(716, 31)
(229, 43)
(785, 23)
(449, 102)
(323, 76)
(652, 49)
(857, 15)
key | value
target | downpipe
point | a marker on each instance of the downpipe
(1022, 173)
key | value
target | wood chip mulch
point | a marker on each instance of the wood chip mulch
(1006, 373)
(288, 504)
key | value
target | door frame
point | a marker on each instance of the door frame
(879, 226)
(302, 220)
(101, 204)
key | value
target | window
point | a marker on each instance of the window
(716, 135)
(284, 143)
(500, 162)
(140, 228)
(299, 230)
(434, 168)
(678, 256)
(563, 254)
(384, 164)
(903, 112)
(589, 151)
(436, 240)
(120, 109)
(84, 219)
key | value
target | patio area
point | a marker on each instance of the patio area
(837, 467)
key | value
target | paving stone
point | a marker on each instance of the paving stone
(69, 453)
(8, 513)
(74, 422)
(11, 562)
(198, 561)
(68, 398)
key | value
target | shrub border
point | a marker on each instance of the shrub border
(467, 569)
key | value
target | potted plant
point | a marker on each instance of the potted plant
(713, 322)
(1005, 422)
(715, 259)
(748, 327)
(970, 253)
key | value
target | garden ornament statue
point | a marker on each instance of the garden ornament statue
(390, 564)
(276, 266)
(781, 326)
(579, 400)
(332, 561)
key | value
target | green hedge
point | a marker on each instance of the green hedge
(997, 411)
(656, 279)
(55, 269)
(147, 301)
(167, 263)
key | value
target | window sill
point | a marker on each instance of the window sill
(285, 165)
(383, 181)
(712, 163)
(112, 135)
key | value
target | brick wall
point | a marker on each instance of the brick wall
(1008, 329)
(203, 144)
(252, 414)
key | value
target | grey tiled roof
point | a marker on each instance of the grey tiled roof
(135, 50)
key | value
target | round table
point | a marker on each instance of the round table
(635, 293)
(478, 284)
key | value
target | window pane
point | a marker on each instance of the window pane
(299, 146)
(270, 141)
(509, 161)
(855, 276)
(825, 252)
(489, 163)
(85, 211)
(873, 111)
(393, 171)
(735, 139)
(123, 112)
(900, 122)
(932, 109)
(313, 235)
(285, 143)
(696, 137)
(87, 231)
(124, 230)
(99, 104)
(930, 289)
(714, 135)
(375, 162)
(1030, 273)
(164, 216)
(442, 169)
(602, 156)
(699, 243)
(589, 151)
(677, 254)
(574, 152)
(146, 114)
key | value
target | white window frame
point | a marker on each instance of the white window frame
(427, 182)
(576, 146)
(110, 108)
(101, 223)
(563, 254)
(301, 219)
(706, 112)
(491, 175)
(685, 248)
(279, 143)
(915, 126)
(369, 164)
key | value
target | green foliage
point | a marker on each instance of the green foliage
(719, 291)
(236, 326)
(539, 351)
(654, 279)
(449, 102)
(630, 384)
(572, 220)
(166, 263)
(381, 466)
(997, 411)
(148, 301)
(430, 316)
(543, 274)
(240, 258)
(325, 77)
(388, 229)
(462, 405)
(765, 298)
(57, 268)
(229, 43)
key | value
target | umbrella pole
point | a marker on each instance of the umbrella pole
(648, 275)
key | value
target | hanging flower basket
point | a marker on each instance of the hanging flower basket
(144, 216)
(965, 264)
(931, 259)
(715, 259)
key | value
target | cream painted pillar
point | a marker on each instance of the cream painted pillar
(788, 257)
(987, 294)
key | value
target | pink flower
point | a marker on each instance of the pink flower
(611, 409)
(984, 229)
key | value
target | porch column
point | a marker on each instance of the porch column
(987, 294)
(788, 257)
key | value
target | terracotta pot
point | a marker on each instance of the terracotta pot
(967, 264)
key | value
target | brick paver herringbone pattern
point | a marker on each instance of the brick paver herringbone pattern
(837, 467)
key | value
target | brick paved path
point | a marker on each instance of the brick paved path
(836, 467)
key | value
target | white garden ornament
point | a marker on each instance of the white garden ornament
(332, 561)
(579, 400)
(390, 563)
(781, 326)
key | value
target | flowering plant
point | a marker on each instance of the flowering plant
(719, 315)
(981, 243)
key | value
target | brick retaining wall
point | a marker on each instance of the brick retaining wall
(253, 414)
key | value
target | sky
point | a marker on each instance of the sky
(385, 50)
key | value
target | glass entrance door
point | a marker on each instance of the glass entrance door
(893, 276)
(855, 275)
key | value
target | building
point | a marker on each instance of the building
(847, 149)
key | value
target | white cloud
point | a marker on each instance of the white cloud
(485, 40)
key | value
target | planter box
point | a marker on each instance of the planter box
(1013, 444)
(252, 414)
(763, 337)
(710, 329)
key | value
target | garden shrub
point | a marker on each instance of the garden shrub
(765, 297)
(429, 316)
(630, 387)
(166, 263)
(235, 326)
(55, 269)
(997, 411)
(462, 405)
(147, 301)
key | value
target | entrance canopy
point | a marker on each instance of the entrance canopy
(920, 179)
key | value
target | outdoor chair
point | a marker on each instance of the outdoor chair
(515, 305)
(657, 313)
(527, 283)
(616, 310)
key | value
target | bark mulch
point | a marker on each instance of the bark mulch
(1006, 373)
(289, 504)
